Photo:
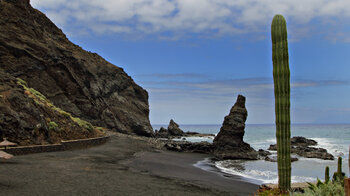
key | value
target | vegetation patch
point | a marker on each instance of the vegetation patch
(52, 126)
(40, 99)
(323, 189)
(83, 123)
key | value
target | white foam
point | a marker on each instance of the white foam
(196, 139)
(331, 146)
(263, 176)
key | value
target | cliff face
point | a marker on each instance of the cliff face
(82, 83)
(27, 117)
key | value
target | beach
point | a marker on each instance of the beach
(125, 165)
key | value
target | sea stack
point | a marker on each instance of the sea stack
(229, 144)
(173, 130)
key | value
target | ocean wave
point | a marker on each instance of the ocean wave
(256, 175)
(332, 146)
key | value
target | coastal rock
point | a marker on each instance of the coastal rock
(229, 144)
(185, 146)
(172, 131)
(263, 153)
(301, 146)
(80, 82)
(302, 141)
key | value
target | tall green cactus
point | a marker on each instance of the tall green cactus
(339, 169)
(326, 176)
(339, 175)
(281, 78)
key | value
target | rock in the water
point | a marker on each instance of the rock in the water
(301, 146)
(229, 144)
(302, 141)
(174, 129)
(77, 81)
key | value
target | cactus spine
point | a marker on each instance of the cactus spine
(281, 78)
(326, 177)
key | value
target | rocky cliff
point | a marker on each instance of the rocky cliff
(28, 117)
(82, 83)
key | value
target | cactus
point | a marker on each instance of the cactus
(339, 170)
(281, 78)
(339, 175)
(326, 176)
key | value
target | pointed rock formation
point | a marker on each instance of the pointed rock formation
(229, 144)
(174, 129)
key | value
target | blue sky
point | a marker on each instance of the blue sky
(195, 56)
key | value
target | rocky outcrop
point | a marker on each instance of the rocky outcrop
(79, 82)
(27, 117)
(302, 147)
(172, 131)
(229, 144)
(184, 146)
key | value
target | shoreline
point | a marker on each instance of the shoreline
(109, 170)
(181, 166)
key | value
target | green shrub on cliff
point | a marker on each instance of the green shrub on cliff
(40, 99)
(52, 125)
(83, 123)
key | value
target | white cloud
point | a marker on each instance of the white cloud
(195, 16)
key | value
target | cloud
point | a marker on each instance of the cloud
(206, 17)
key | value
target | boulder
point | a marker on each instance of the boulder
(229, 144)
(302, 141)
(301, 146)
(185, 146)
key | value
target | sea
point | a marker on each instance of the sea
(333, 137)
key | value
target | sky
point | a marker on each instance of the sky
(195, 56)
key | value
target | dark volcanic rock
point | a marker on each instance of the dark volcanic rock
(184, 146)
(302, 141)
(162, 133)
(172, 131)
(27, 118)
(263, 153)
(80, 82)
(311, 152)
(301, 147)
(229, 144)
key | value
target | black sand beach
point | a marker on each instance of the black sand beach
(112, 169)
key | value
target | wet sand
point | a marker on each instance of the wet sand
(180, 166)
(114, 169)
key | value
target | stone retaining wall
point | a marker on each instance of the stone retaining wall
(64, 145)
